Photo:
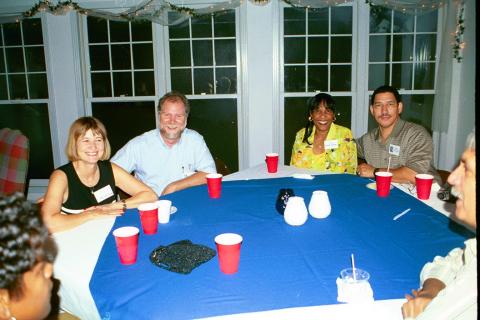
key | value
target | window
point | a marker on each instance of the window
(203, 65)
(24, 91)
(317, 56)
(402, 53)
(121, 77)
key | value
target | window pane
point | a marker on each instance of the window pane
(18, 86)
(226, 80)
(15, 59)
(99, 58)
(318, 21)
(113, 115)
(427, 22)
(296, 116)
(295, 79)
(101, 86)
(225, 52)
(2, 61)
(122, 84)
(202, 27)
(1, 36)
(211, 116)
(380, 19)
(32, 31)
(203, 81)
(293, 21)
(294, 50)
(378, 75)
(178, 31)
(402, 75)
(225, 24)
(402, 48)
(97, 30)
(343, 111)
(12, 34)
(141, 31)
(341, 49)
(418, 109)
(35, 59)
(37, 84)
(318, 50)
(120, 56)
(425, 47)
(379, 48)
(402, 22)
(119, 31)
(202, 53)
(182, 80)
(144, 83)
(142, 56)
(341, 78)
(3, 87)
(317, 78)
(32, 121)
(424, 76)
(341, 20)
(180, 53)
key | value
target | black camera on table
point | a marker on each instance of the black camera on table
(445, 193)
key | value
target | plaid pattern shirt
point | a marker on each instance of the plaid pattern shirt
(14, 152)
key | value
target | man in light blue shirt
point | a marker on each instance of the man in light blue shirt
(171, 158)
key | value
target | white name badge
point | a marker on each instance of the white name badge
(331, 144)
(103, 193)
(393, 149)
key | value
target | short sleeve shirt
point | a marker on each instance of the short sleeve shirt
(409, 145)
(157, 164)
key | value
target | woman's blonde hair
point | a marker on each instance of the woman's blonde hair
(78, 128)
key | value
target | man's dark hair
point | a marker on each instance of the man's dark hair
(24, 242)
(384, 89)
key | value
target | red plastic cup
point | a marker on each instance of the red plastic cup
(126, 239)
(214, 183)
(149, 217)
(423, 182)
(383, 180)
(272, 162)
(228, 247)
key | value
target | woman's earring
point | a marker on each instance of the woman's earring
(310, 118)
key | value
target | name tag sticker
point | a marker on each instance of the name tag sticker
(103, 193)
(393, 149)
(331, 144)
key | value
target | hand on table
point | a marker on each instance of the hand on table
(365, 170)
(106, 210)
(415, 304)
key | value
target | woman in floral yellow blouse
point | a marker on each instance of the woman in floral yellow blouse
(322, 145)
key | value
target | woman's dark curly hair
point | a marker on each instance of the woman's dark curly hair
(313, 104)
(24, 241)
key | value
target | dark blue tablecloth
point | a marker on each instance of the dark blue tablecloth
(281, 266)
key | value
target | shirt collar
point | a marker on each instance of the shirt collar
(395, 132)
(179, 142)
(332, 133)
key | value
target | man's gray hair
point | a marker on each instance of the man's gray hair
(470, 144)
(174, 96)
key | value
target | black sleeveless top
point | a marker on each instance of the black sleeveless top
(79, 195)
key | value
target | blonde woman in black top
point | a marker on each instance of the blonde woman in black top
(85, 188)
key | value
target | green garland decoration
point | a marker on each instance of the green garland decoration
(459, 44)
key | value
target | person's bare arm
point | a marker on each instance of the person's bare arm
(195, 179)
(419, 300)
(57, 221)
(401, 175)
(138, 191)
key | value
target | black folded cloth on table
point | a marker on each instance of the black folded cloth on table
(182, 256)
